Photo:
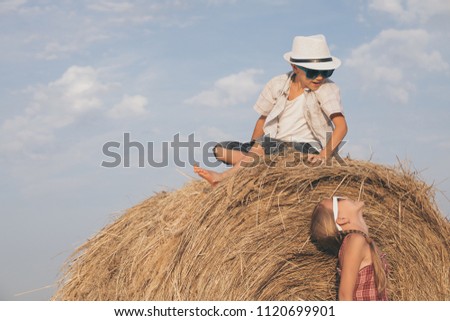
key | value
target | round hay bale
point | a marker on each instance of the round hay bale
(248, 239)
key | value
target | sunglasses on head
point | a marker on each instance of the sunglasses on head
(336, 210)
(312, 73)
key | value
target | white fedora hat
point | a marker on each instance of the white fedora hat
(311, 52)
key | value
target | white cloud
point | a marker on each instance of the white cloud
(219, 2)
(56, 45)
(130, 106)
(387, 63)
(73, 27)
(11, 5)
(67, 101)
(140, 12)
(393, 7)
(412, 10)
(78, 88)
(110, 6)
(228, 91)
(66, 31)
(53, 106)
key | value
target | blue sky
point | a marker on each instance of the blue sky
(78, 74)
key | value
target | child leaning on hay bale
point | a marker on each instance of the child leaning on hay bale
(338, 226)
(299, 108)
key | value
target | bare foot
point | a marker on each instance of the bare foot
(211, 177)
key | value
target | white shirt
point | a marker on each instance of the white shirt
(292, 126)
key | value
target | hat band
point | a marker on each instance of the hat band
(311, 60)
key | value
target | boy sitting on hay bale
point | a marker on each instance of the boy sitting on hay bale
(297, 109)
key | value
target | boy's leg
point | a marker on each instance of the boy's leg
(231, 152)
(214, 177)
(228, 156)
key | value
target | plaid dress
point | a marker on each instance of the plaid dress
(365, 288)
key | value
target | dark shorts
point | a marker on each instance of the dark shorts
(270, 145)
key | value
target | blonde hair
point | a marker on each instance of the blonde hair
(324, 231)
(328, 238)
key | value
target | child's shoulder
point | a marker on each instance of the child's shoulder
(277, 84)
(327, 86)
(280, 80)
(328, 90)
(355, 240)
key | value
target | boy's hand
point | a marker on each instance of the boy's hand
(315, 159)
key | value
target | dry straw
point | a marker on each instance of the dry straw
(248, 238)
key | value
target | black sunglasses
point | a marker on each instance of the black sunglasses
(312, 73)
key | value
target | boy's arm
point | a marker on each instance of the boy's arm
(338, 134)
(259, 131)
(351, 261)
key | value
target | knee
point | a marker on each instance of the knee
(215, 150)
(218, 151)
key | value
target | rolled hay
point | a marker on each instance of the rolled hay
(248, 239)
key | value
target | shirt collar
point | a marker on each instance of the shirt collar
(287, 85)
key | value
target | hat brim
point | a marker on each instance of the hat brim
(333, 64)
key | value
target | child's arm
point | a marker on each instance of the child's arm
(350, 263)
(259, 131)
(339, 132)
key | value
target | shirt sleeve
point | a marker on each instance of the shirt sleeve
(267, 98)
(329, 97)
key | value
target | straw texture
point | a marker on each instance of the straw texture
(248, 239)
